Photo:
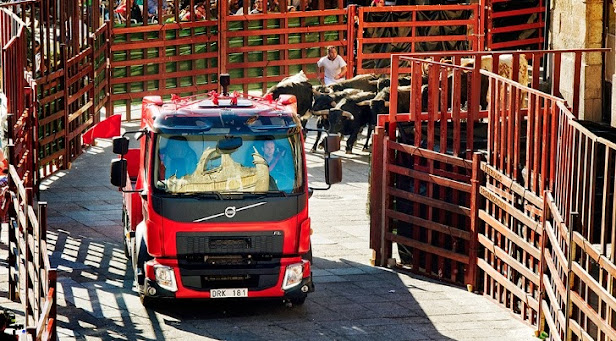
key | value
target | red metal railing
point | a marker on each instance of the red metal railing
(515, 238)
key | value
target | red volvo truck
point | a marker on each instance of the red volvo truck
(215, 199)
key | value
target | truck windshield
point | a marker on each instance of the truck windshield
(193, 164)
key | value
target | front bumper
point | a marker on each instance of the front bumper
(152, 289)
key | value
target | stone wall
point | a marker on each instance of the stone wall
(578, 24)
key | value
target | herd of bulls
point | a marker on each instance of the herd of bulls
(343, 108)
(350, 105)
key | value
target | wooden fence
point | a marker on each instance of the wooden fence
(382, 31)
(514, 24)
(511, 231)
(32, 280)
(185, 54)
(72, 81)
(580, 268)
(186, 57)
(19, 94)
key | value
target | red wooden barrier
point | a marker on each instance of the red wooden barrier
(522, 259)
(514, 24)
(413, 29)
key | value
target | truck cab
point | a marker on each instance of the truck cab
(215, 199)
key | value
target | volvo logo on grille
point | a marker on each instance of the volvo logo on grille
(230, 212)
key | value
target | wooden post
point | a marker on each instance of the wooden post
(13, 270)
(480, 26)
(63, 56)
(28, 261)
(53, 313)
(42, 252)
(476, 181)
(545, 217)
(573, 226)
(109, 103)
(350, 55)
(393, 95)
(222, 38)
(386, 245)
(92, 92)
(376, 172)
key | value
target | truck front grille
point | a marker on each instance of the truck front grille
(215, 260)
(210, 243)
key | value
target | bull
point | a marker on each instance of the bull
(298, 86)
(348, 117)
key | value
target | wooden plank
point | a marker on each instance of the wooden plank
(587, 279)
(150, 44)
(510, 209)
(427, 248)
(32, 217)
(289, 30)
(551, 324)
(448, 230)
(73, 116)
(558, 220)
(560, 286)
(592, 315)
(55, 116)
(556, 246)
(510, 261)
(581, 333)
(590, 250)
(523, 296)
(79, 76)
(457, 209)
(460, 186)
(170, 59)
(429, 154)
(512, 236)
(510, 184)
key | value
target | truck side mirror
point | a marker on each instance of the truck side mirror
(120, 145)
(333, 169)
(118, 172)
(331, 143)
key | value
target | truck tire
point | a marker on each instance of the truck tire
(146, 301)
(299, 300)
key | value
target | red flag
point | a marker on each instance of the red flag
(109, 127)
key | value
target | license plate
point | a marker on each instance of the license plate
(228, 293)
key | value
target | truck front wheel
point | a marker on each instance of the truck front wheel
(299, 300)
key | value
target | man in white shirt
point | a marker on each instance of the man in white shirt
(331, 68)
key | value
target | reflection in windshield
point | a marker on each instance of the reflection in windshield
(194, 164)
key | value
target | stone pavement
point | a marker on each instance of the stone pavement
(352, 301)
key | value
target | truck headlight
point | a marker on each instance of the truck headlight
(165, 277)
(293, 276)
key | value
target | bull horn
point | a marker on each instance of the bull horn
(348, 115)
(307, 115)
(320, 112)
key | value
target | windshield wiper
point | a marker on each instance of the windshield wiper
(199, 195)
(273, 193)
